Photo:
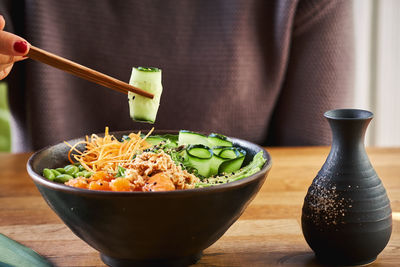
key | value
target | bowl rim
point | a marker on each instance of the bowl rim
(39, 179)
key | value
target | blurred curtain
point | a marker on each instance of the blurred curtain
(377, 41)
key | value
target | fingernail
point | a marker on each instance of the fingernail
(21, 46)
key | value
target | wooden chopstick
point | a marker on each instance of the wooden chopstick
(83, 72)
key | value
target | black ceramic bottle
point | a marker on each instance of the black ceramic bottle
(346, 217)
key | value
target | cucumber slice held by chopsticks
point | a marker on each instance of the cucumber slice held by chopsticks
(13, 253)
(142, 108)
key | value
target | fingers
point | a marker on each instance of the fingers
(2, 22)
(5, 70)
(12, 49)
(6, 64)
(5, 59)
(11, 44)
(19, 58)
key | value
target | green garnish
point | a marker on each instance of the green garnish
(121, 172)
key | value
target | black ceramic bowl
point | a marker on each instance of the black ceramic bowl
(147, 228)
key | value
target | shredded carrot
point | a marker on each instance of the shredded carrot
(106, 153)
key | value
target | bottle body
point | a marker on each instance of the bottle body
(346, 216)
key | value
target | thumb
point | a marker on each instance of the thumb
(11, 44)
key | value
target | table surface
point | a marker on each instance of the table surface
(267, 234)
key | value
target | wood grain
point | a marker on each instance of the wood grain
(267, 234)
(83, 72)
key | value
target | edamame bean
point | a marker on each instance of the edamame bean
(56, 173)
(60, 170)
(88, 174)
(84, 173)
(62, 178)
(79, 165)
(71, 170)
(79, 174)
(48, 174)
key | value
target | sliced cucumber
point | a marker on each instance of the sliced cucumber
(202, 152)
(254, 166)
(192, 138)
(199, 157)
(234, 157)
(218, 140)
(222, 158)
(226, 154)
(142, 108)
(229, 153)
(217, 149)
(231, 165)
(216, 160)
(214, 164)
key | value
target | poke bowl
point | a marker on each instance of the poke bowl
(168, 228)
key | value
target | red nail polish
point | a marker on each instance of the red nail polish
(20, 46)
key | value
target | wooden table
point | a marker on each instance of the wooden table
(267, 234)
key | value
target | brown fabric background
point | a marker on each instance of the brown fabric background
(260, 70)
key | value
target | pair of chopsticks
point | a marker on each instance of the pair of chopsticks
(84, 72)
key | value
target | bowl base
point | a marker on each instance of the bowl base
(114, 262)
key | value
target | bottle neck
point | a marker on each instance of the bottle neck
(348, 141)
(348, 133)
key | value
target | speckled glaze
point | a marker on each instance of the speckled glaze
(147, 228)
(347, 219)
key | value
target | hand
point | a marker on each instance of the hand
(12, 49)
